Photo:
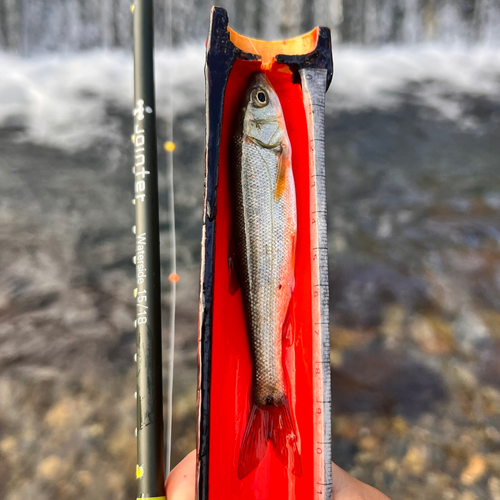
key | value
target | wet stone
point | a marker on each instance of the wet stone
(368, 443)
(489, 366)
(468, 495)
(413, 212)
(415, 460)
(475, 469)
(52, 467)
(344, 452)
(393, 320)
(380, 381)
(358, 295)
(400, 426)
(494, 488)
(432, 334)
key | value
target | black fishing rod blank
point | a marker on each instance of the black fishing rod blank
(150, 452)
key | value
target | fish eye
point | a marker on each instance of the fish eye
(260, 98)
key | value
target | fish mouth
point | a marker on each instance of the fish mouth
(258, 79)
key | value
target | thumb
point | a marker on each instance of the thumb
(181, 482)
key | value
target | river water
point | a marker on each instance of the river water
(39, 26)
(414, 241)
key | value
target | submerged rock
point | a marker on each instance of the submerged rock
(387, 383)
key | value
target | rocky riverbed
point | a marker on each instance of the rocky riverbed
(414, 217)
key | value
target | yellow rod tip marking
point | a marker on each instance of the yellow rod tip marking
(139, 472)
(132, 138)
(169, 146)
(135, 292)
(132, 8)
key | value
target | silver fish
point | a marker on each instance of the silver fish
(263, 259)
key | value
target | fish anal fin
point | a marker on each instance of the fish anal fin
(287, 332)
(254, 444)
(283, 164)
(284, 438)
(232, 265)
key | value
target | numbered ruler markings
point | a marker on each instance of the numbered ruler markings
(314, 86)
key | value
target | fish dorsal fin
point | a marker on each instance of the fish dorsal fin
(283, 164)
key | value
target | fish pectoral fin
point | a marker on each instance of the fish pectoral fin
(254, 444)
(284, 438)
(283, 164)
(232, 265)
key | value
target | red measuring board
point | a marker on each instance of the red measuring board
(224, 354)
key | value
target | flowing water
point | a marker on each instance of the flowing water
(414, 242)
(37, 26)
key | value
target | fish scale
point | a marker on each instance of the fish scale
(264, 228)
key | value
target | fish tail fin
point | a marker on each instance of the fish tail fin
(269, 423)
(284, 437)
(254, 444)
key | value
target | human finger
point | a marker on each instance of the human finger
(181, 482)
(346, 487)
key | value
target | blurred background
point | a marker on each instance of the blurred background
(413, 148)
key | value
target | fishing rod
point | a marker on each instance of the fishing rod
(150, 470)
(173, 278)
